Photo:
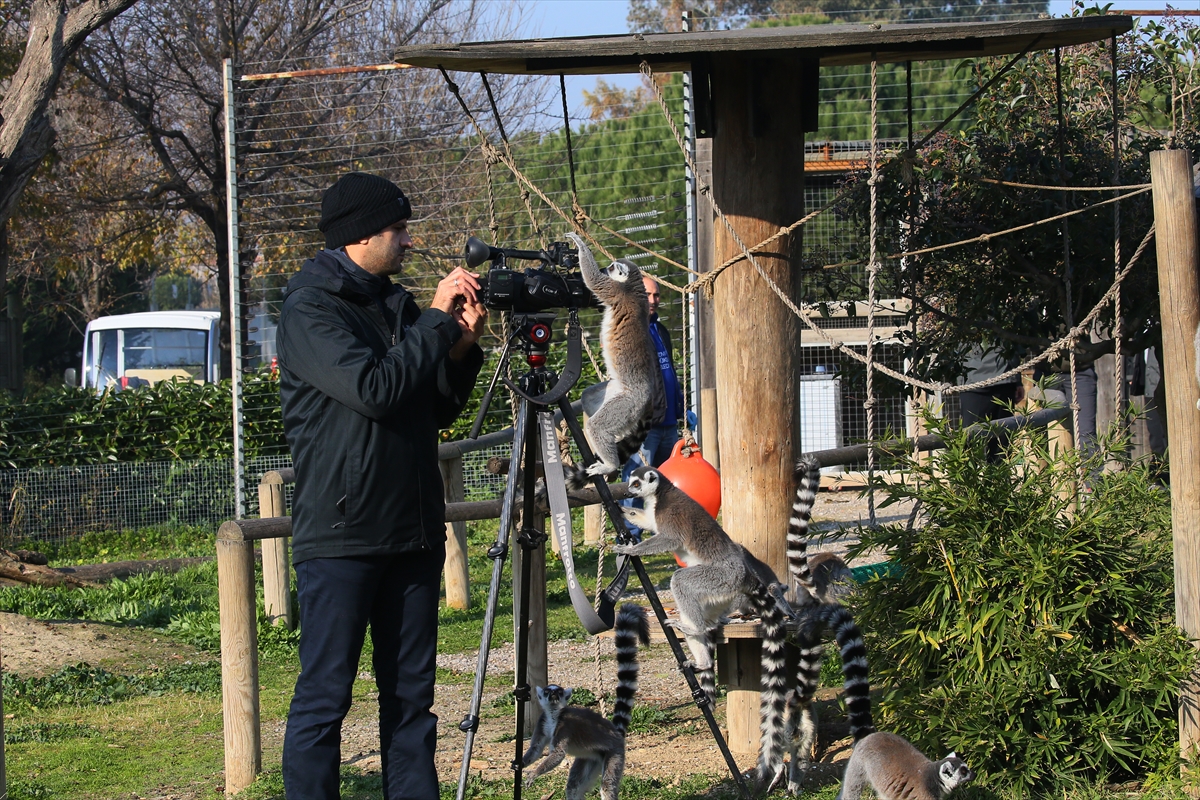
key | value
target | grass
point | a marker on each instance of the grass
(87, 732)
(121, 733)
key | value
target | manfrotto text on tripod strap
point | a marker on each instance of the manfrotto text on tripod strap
(594, 621)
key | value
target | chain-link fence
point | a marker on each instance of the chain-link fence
(294, 134)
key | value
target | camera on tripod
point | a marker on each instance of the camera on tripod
(555, 283)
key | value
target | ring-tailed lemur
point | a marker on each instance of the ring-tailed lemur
(824, 578)
(898, 771)
(812, 580)
(811, 599)
(597, 744)
(802, 718)
(715, 576)
(618, 427)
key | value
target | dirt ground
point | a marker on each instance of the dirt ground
(679, 744)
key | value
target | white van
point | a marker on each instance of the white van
(127, 350)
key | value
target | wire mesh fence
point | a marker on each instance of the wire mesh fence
(295, 135)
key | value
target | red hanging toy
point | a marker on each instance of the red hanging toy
(694, 476)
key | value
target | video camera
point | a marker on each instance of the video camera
(556, 283)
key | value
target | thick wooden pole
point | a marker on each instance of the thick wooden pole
(758, 180)
(1179, 303)
(277, 590)
(458, 581)
(239, 663)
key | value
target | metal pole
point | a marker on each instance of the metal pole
(235, 296)
(692, 335)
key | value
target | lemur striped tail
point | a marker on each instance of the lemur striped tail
(707, 678)
(857, 687)
(774, 684)
(631, 627)
(808, 480)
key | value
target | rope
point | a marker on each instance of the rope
(872, 272)
(984, 237)
(1066, 237)
(562, 85)
(997, 182)
(490, 153)
(940, 388)
(1054, 350)
(591, 356)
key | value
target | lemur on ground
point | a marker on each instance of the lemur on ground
(898, 771)
(616, 429)
(597, 744)
(715, 577)
(811, 599)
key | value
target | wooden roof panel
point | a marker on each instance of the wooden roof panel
(832, 44)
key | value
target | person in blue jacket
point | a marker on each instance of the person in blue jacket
(366, 379)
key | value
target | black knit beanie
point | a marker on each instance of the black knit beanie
(358, 206)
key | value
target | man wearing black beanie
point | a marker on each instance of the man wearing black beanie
(366, 379)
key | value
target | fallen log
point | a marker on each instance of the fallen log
(37, 575)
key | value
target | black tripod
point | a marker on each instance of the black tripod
(534, 437)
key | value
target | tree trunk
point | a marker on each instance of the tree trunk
(55, 33)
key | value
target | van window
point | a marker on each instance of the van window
(159, 353)
(103, 369)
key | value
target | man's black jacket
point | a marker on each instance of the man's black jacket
(365, 382)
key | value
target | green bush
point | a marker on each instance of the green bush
(1038, 644)
(170, 421)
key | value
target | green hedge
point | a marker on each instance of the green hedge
(173, 420)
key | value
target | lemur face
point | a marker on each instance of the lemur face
(954, 772)
(644, 481)
(553, 696)
(618, 271)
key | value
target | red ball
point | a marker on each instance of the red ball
(697, 478)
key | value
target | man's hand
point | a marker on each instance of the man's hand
(457, 288)
(470, 318)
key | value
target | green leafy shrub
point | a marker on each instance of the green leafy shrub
(170, 421)
(1038, 644)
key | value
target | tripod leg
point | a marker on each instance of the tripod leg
(700, 697)
(498, 552)
(529, 539)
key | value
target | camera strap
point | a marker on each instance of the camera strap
(570, 374)
(594, 620)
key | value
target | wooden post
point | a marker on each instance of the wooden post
(758, 181)
(1179, 304)
(593, 525)
(277, 589)
(458, 581)
(239, 663)
(537, 668)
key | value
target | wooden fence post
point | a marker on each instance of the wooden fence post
(458, 581)
(239, 662)
(1179, 293)
(277, 585)
(593, 525)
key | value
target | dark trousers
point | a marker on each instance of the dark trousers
(398, 596)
